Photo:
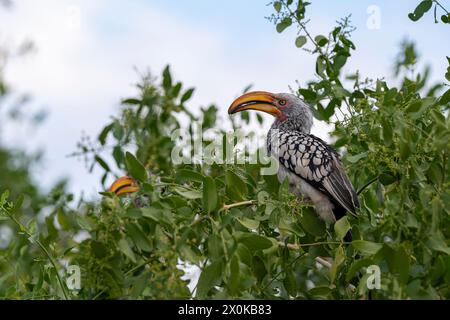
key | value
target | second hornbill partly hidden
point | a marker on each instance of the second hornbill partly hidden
(313, 168)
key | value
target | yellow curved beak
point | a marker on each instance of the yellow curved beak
(256, 100)
(124, 185)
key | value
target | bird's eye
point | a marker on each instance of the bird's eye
(282, 102)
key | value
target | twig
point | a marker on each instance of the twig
(238, 204)
(302, 26)
(435, 1)
(323, 262)
(294, 246)
(367, 184)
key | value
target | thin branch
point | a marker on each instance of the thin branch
(278, 274)
(367, 184)
(42, 247)
(323, 262)
(294, 246)
(435, 1)
(238, 204)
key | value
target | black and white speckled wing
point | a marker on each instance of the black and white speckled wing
(313, 160)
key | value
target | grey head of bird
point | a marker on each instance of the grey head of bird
(290, 112)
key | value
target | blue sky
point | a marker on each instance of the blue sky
(86, 52)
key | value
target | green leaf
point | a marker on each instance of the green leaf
(18, 204)
(139, 284)
(285, 23)
(366, 247)
(405, 149)
(176, 90)
(387, 179)
(236, 187)
(387, 132)
(234, 279)
(445, 18)
(356, 266)
(52, 231)
(187, 253)
(118, 156)
(167, 79)
(4, 197)
(99, 249)
(259, 118)
(358, 94)
(341, 227)
(259, 268)
(321, 291)
(189, 175)
(210, 276)
(414, 106)
(152, 213)
(290, 283)
(329, 110)
(321, 40)
(187, 95)
(435, 173)
(102, 163)
(437, 243)
(103, 135)
(245, 116)
(277, 6)
(418, 107)
(244, 254)
(339, 62)
(132, 101)
(135, 168)
(300, 41)
(139, 238)
(447, 74)
(134, 213)
(63, 220)
(249, 223)
(438, 117)
(397, 260)
(117, 130)
(125, 248)
(210, 199)
(188, 193)
(445, 98)
(355, 158)
(84, 222)
(254, 241)
(309, 95)
(339, 258)
(311, 222)
(401, 265)
(420, 10)
(215, 247)
(321, 67)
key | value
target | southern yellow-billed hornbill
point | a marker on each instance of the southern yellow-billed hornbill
(313, 168)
